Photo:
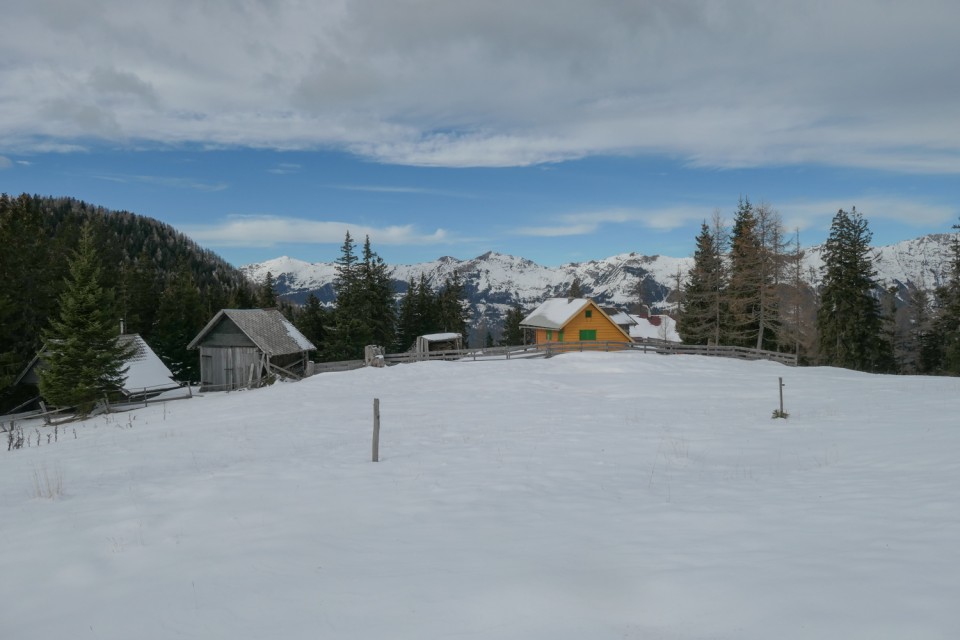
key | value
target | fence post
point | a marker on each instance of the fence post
(781, 396)
(376, 430)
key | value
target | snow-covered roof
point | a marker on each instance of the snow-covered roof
(554, 313)
(441, 337)
(267, 328)
(621, 318)
(145, 368)
(659, 327)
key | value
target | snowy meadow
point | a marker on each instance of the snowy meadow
(586, 496)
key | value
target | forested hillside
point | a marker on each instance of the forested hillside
(164, 285)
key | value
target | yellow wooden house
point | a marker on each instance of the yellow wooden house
(566, 320)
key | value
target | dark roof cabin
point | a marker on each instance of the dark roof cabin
(240, 347)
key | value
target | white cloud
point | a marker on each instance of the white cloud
(166, 181)
(268, 231)
(734, 84)
(818, 214)
(588, 222)
(557, 231)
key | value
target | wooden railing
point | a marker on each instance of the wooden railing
(556, 348)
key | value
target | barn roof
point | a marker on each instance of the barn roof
(145, 369)
(267, 328)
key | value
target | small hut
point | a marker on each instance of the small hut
(438, 342)
(240, 347)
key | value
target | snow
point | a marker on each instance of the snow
(645, 330)
(590, 495)
(441, 337)
(499, 281)
(296, 336)
(554, 313)
(146, 370)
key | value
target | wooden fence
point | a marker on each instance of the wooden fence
(557, 348)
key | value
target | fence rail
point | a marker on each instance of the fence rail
(557, 348)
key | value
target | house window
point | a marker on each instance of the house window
(588, 334)
(589, 313)
(559, 336)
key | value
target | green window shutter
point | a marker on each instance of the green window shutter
(589, 313)
(549, 335)
(588, 334)
(559, 336)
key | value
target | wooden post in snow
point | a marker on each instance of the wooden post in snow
(781, 397)
(376, 429)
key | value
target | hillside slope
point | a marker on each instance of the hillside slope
(601, 496)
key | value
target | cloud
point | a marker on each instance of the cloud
(744, 83)
(372, 188)
(557, 231)
(5, 163)
(285, 168)
(588, 222)
(268, 231)
(166, 181)
(819, 214)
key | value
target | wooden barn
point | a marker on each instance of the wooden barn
(560, 320)
(240, 347)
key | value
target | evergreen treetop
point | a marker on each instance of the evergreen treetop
(84, 359)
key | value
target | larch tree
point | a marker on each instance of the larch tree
(84, 360)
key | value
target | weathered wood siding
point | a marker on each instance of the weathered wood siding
(226, 334)
(223, 368)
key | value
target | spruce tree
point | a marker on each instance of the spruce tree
(452, 306)
(365, 312)
(576, 288)
(379, 308)
(267, 295)
(704, 309)
(513, 334)
(346, 313)
(180, 317)
(943, 354)
(849, 320)
(84, 360)
(407, 321)
(312, 321)
(744, 285)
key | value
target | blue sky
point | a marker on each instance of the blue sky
(557, 131)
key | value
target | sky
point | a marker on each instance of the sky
(553, 130)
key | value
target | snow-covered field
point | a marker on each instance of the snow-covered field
(588, 496)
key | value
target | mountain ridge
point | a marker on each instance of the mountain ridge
(495, 281)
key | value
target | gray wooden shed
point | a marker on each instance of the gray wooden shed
(241, 347)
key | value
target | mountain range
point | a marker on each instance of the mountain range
(494, 282)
